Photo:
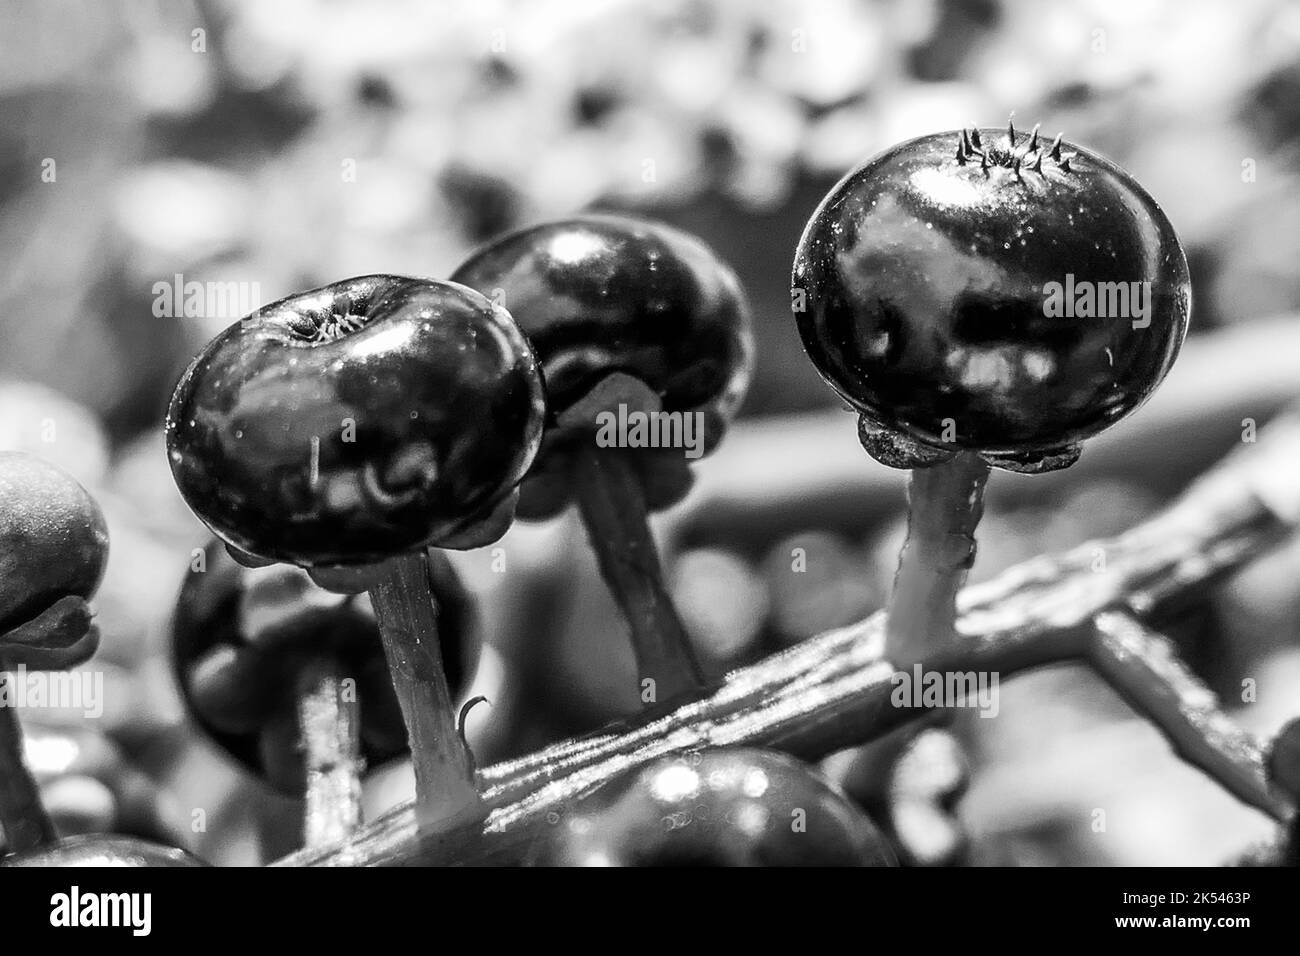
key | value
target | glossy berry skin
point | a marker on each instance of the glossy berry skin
(53, 549)
(240, 636)
(53, 540)
(355, 422)
(104, 851)
(921, 293)
(597, 295)
(724, 807)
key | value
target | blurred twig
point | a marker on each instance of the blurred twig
(1145, 669)
(835, 690)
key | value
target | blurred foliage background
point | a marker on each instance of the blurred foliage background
(285, 145)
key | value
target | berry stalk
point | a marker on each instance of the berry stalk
(612, 503)
(945, 504)
(445, 788)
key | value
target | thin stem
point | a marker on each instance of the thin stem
(446, 794)
(1144, 668)
(330, 727)
(612, 504)
(22, 814)
(945, 503)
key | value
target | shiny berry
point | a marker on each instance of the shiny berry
(600, 295)
(241, 636)
(53, 548)
(366, 419)
(991, 291)
(725, 807)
